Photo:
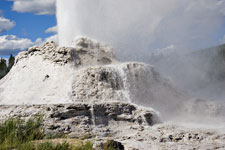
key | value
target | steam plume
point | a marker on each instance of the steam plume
(134, 27)
(138, 28)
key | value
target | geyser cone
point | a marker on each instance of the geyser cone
(87, 72)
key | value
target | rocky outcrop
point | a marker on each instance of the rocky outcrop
(167, 136)
(85, 52)
(84, 92)
(128, 82)
(78, 120)
(132, 127)
(46, 74)
(112, 145)
(87, 72)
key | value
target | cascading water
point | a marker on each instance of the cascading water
(132, 82)
(124, 81)
(92, 111)
(134, 35)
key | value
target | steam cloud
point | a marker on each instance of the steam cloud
(135, 27)
(139, 28)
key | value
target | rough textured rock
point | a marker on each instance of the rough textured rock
(87, 72)
(167, 136)
(135, 127)
(124, 82)
(112, 145)
(85, 52)
(84, 92)
(81, 119)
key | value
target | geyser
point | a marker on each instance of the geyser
(135, 27)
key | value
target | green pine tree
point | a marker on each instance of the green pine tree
(3, 68)
(11, 62)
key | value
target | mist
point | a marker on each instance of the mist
(142, 30)
(135, 28)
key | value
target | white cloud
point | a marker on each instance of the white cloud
(11, 42)
(38, 41)
(39, 7)
(6, 24)
(52, 30)
(52, 38)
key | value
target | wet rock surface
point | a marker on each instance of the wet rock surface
(84, 92)
(81, 118)
(131, 126)
(87, 72)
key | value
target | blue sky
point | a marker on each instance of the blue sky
(28, 25)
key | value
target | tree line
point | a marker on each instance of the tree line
(6, 67)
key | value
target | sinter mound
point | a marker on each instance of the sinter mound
(85, 92)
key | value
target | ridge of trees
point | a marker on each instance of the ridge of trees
(4, 67)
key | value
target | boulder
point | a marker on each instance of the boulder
(112, 145)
